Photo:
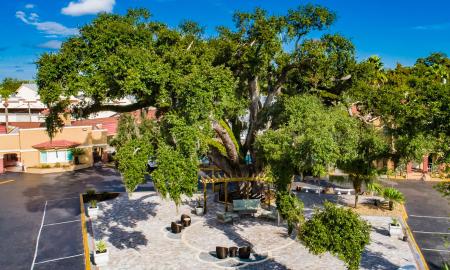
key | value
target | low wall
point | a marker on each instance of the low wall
(57, 170)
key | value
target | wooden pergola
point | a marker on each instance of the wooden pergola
(215, 180)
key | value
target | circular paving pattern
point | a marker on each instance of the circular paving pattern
(262, 236)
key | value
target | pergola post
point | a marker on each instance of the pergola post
(204, 197)
(226, 196)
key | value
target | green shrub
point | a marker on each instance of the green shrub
(443, 188)
(100, 246)
(339, 231)
(93, 203)
(393, 195)
(291, 209)
(45, 166)
(91, 192)
(375, 188)
(78, 151)
(57, 165)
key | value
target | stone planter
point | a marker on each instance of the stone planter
(221, 252)
(93, 211)
(101, 259)
(233, 251)
(175, 227)
(244, 252)
(199, 211)
(185, 220)
(395, 230)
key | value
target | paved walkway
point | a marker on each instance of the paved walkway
(138, 234)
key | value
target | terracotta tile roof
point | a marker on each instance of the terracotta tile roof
(110, 124)
(56, 144)
(2, 129)
(25, 125)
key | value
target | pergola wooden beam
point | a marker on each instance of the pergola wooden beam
(214, 180)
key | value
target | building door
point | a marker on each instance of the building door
(10, 160)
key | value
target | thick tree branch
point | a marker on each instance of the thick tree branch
(227, 142)
(255, 107)
(84, 110)
(221, 161)
(275, 89)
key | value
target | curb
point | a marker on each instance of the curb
(422, 261)
(87, 258)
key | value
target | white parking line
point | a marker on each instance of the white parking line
(430, 232)
(429, 217)
(438, 250)
(58, 259)
(39, 235)
(57, 223)
(63, 199)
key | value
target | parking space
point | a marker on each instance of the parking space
(429, 216)
(59, 241)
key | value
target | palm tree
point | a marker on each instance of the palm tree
(393, 195)
(374, 188)
(8, 87)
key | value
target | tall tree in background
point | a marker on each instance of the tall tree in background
(8, 87)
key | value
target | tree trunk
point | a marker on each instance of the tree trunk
(356, 199)
(6, 114)
(391, 205)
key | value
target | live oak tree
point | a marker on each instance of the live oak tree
(202, 87)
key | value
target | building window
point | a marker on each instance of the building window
(56, 156)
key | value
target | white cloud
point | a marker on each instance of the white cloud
(51, 44)
(86, 7)
(48, 27)
(29, 6)
(438, 26)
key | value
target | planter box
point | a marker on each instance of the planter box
(92, 212)
(199, 211)
(395, 230)
(101, 259)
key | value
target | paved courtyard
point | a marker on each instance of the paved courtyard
(138, 235)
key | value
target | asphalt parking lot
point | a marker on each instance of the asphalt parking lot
(429, 216)
(40, 224)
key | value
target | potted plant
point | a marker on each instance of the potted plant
(199, 208)
(101, 254)
(93, 209)
(394, 228)
(393, 195)
(77, 152)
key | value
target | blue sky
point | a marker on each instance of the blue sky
(397, 30)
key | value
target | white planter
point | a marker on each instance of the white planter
(395, 230)
(101, 259)
(93, 212)
(199, 211)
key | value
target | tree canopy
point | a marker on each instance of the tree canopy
(263, 87)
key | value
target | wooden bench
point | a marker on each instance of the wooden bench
(226, 217)
(348, 191)
(246, 206)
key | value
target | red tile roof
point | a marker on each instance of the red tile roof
(56, 144)
(25, 125)
(2, 129)
(109, 123)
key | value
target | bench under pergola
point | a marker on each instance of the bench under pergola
(214, 179)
